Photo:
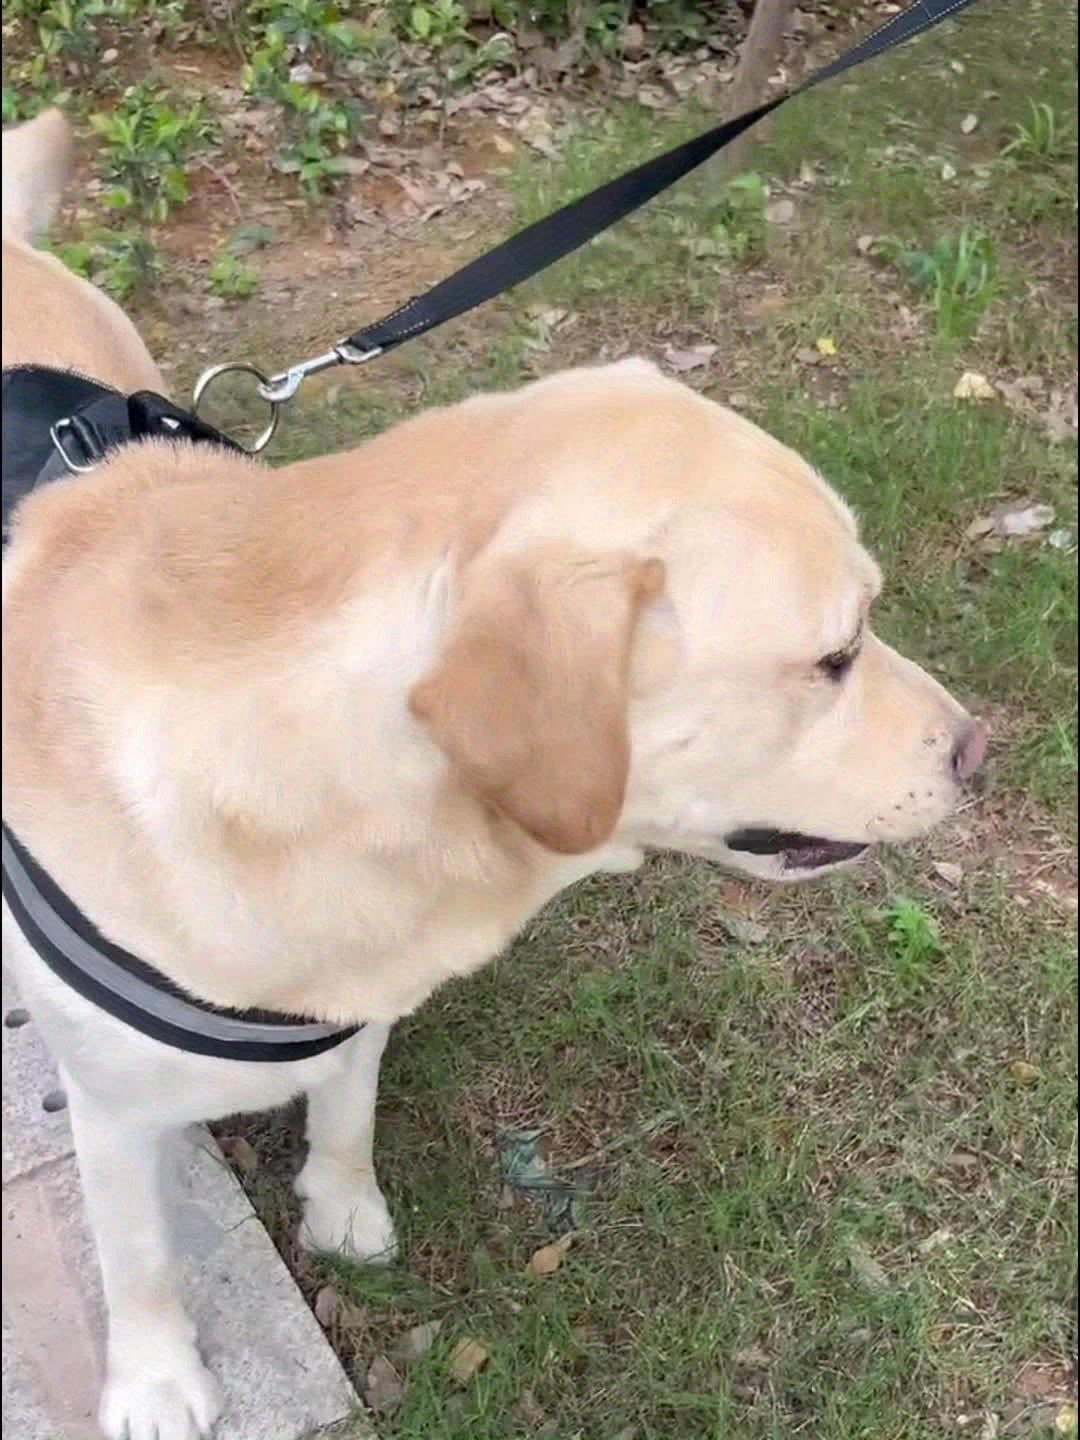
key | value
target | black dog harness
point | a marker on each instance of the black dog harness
(57, 423)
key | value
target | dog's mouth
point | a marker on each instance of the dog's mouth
(797, 851)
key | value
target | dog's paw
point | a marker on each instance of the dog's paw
(347, 1218)
(158, 1400)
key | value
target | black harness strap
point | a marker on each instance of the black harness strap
(130, 990)
(45, 412)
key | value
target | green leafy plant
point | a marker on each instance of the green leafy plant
(305, 26)
(437, 23)
(147, 145)
(317, 130)
(731, 228)
(914, 940)
(231, 278)
(121, 262)
(958, 273)
(1043, 138)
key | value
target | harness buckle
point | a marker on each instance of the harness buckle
(63, 434)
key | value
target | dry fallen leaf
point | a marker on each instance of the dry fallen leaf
(780, 212)
(694, 358)
(865, 243)
(383, 1388)
(1024, 1073)
(826, 345)
(417, 1342)
(327, 1306)
(548, 1258)
(968, 124)
(950, 873)
(973, 386)
(869, 1272)
(467, 1359)
(1022, 517)
(241, 1152)
(633, 40)
(752, 1358)
(935, 1241)
(1060, 418)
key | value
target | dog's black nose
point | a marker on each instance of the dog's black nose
(969, 750)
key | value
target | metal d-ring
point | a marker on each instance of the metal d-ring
(278, 390)
(207, 378)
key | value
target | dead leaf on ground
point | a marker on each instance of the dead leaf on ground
(383, 1387)
(969, 123)
(973, 386)
(1012, 521)
(548, 1258)
(415, 1343)
(1024, 1072)
(1023, 517)
(633, 40)
(327, 1306)
(935, 1241)
(752, 1358)
(780, 212)
(747, 932)
(241, 1152)
(468, 1358)
(870, 1273)
(333, 1309)
(1060, 418)
(694, 358)
(950, 873)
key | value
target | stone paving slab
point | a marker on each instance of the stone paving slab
(281, 1380)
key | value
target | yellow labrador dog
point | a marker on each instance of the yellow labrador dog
(316, 739)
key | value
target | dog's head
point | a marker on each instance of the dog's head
(667, 641)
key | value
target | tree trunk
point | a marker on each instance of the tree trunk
(759, 57)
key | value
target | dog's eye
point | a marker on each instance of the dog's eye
(837, 664)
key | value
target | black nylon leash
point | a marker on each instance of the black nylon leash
(541, 244)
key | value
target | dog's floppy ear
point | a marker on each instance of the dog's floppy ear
(529, 698)
(37, 161)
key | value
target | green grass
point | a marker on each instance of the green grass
(817, 1194)
(822, 1185)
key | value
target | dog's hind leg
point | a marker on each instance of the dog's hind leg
(344, 1210)
(156, 1386)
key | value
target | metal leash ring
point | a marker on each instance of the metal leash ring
(207, 378)
(278, 390)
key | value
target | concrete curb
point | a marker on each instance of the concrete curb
(281, 1380)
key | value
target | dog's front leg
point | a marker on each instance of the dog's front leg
(344, 1210)
(156, 1387)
